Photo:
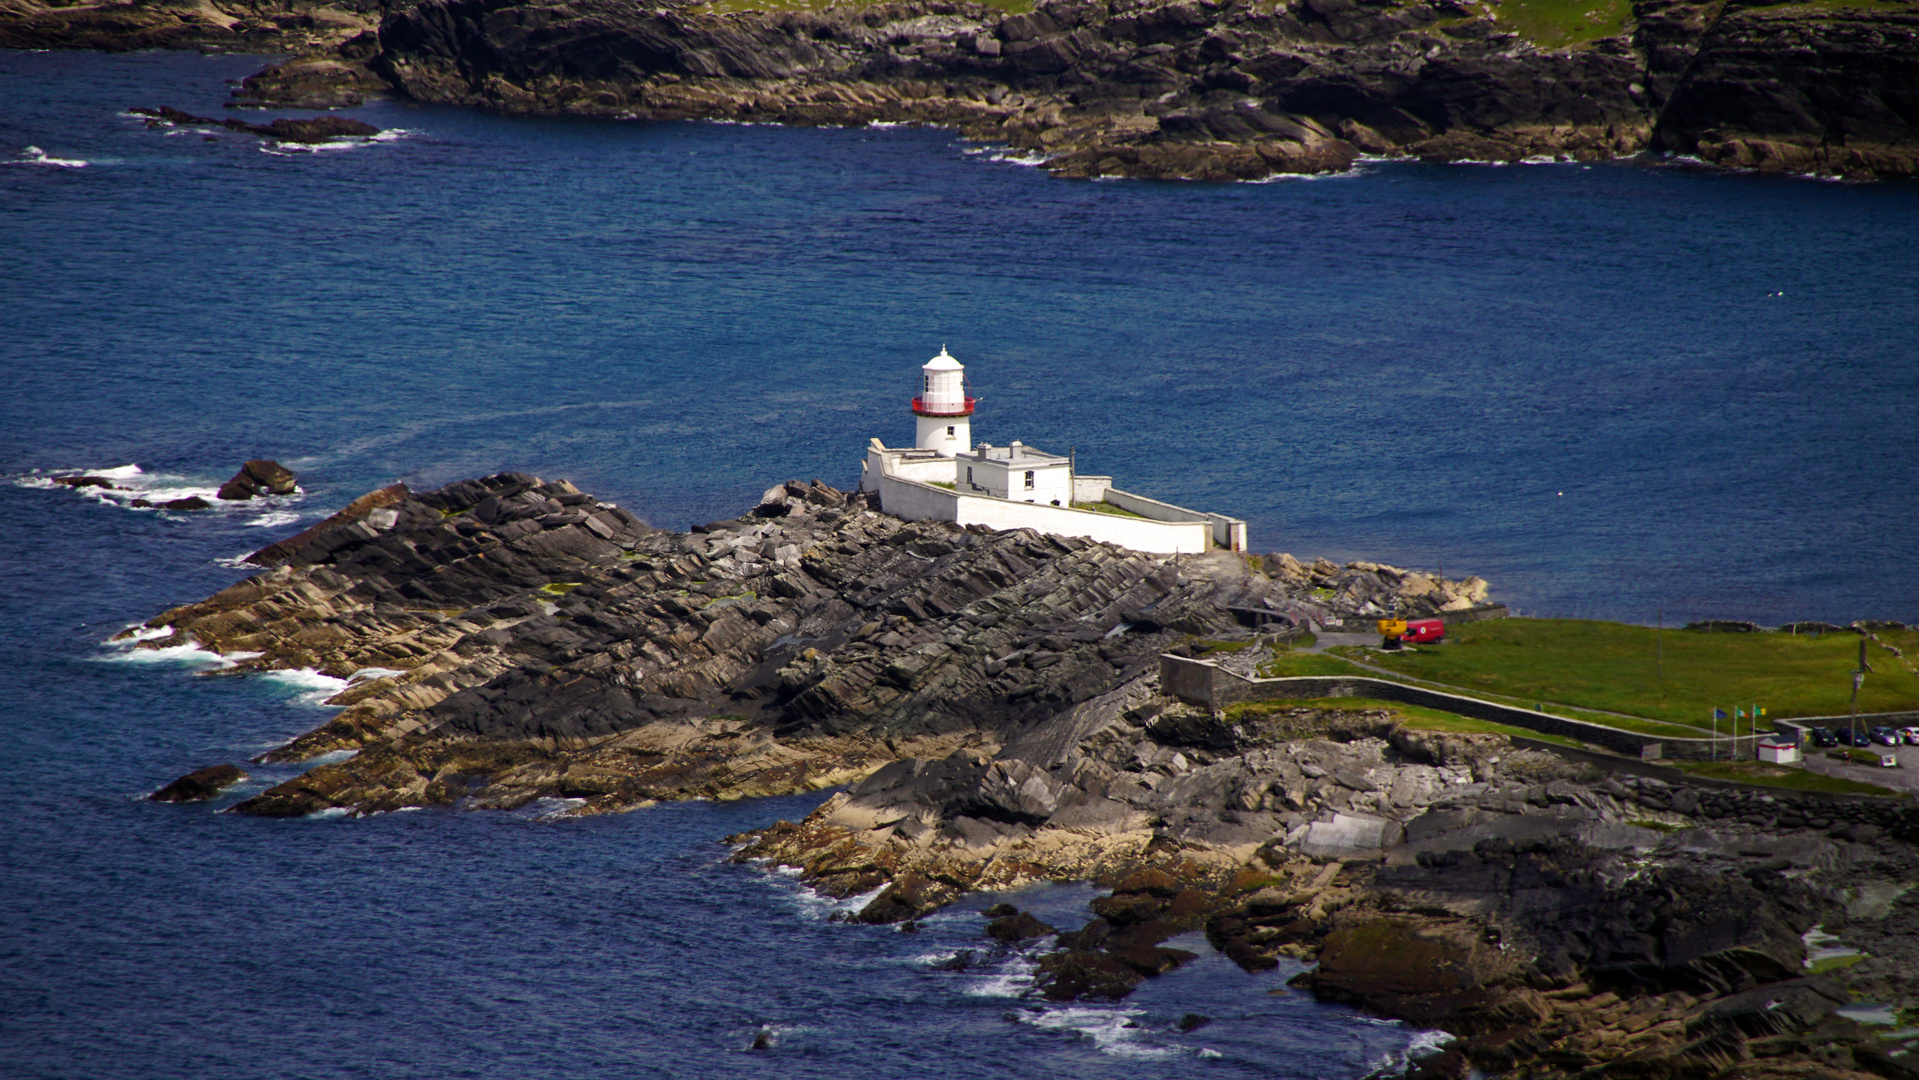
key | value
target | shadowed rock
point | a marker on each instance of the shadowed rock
(201, 785)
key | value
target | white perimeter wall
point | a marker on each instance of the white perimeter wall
(940, 470)
(1090, 488)
(916, 501)
(1229, 533)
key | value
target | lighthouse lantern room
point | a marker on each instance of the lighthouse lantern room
(943, 412)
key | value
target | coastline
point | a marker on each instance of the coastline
(1170, 90)
(991, 702)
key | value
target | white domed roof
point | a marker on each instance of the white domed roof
(942, 362)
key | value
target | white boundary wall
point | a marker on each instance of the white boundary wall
(1229, 533)
(915, 501)
(1090, 488)
(921, 465)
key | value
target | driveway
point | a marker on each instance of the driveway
(1904, 778)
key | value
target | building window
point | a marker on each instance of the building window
(969, 474)
(1029, 479)
(950, 430)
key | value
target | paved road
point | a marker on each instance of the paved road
(1903, 778)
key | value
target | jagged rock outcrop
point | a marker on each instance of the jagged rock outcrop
(513, 639)
(1556, 919)
(991, 700)
(259, 477)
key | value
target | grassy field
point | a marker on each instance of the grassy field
(1287, 664)
(724, 7)
(1104, 507)
(1556, 24)
(1679, 676)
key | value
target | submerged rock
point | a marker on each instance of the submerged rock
(317, 129)
(201, 785)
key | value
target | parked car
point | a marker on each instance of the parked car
(1910, 734)
(1424, 631)
(1822, 737)
(1849, 737)
(1885, 736)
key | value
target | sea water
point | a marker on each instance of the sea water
(1626, 390)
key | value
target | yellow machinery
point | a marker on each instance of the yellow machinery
(1392, 630)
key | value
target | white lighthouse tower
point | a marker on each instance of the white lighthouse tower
(942, 410)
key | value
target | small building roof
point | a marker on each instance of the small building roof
(1016, 454)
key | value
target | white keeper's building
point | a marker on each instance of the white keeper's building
(944, 476)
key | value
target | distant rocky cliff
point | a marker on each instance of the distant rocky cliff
(1153, 88)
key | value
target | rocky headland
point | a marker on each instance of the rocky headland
(1205, 89)
(989, 703)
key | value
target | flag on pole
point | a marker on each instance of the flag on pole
(1719, 714)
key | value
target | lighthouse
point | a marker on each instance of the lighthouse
(943, 412)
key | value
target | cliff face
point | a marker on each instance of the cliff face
(1193, 88)
(1208, 89)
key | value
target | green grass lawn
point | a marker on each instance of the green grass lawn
(1285, 664)
(1557, 24)
(1104, 507)
(1679, 676)
(1009, 7)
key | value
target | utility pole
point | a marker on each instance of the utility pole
(1659, 646)
(1858, 679)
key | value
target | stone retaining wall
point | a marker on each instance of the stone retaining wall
(1855, 817)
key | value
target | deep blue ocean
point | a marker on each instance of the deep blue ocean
(1624, 391)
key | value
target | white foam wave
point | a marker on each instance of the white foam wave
(274, 519)
(1290, 178)
(1108, 1029)
(884, 124)
(132, 484)
(315, 688)
(1011, 983)
(329, 813)
(817, 905)
(33, 155)
(548, 808)
(1425, 1042)
(190, 652)
(294, 149)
